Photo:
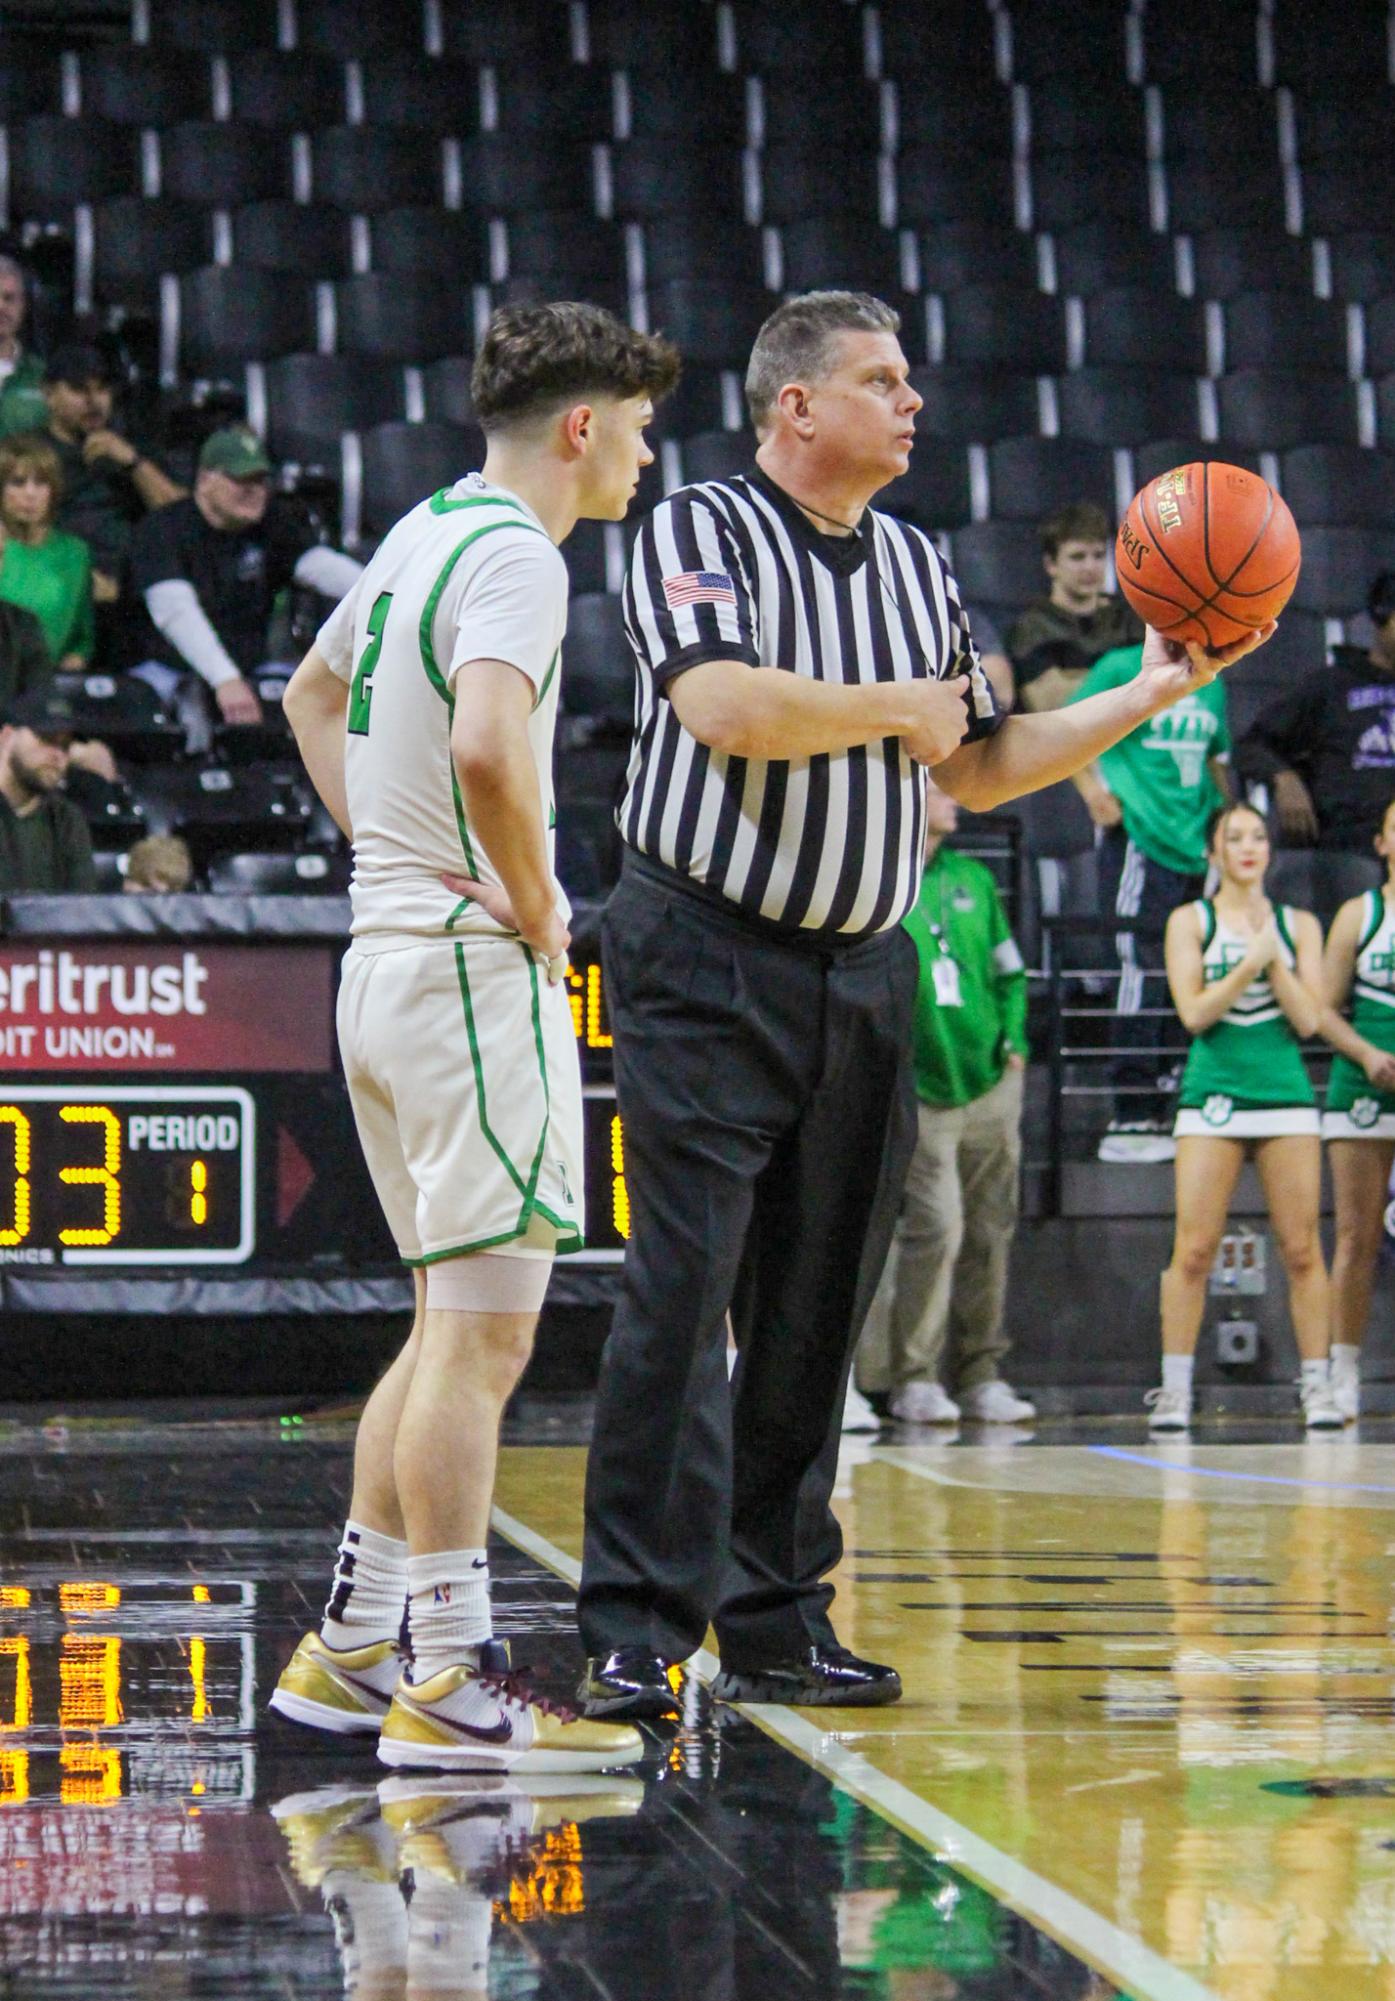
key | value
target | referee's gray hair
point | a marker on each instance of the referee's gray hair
(796, 342)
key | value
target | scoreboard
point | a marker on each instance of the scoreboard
(174, 1103)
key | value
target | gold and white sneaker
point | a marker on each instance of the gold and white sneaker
(348, 1691)
(484, 1717)
(337, 1828)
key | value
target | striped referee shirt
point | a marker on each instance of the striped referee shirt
(732, 569)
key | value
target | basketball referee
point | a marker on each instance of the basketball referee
(801, 658)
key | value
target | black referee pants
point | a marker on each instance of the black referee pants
(769, 1119)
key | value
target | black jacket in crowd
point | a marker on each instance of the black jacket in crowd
(1337, 731)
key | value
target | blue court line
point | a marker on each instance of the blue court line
(1222, 1473)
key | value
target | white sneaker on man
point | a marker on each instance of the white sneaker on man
(996, 1402)
(858, 1414)
(1169, 1410)
(1136, 1142)
(1345, 1384)
(924, 1403)
(1320, 1408)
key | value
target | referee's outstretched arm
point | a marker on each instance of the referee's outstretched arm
(1031, 751)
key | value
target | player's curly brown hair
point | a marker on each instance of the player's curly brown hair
(535, 357)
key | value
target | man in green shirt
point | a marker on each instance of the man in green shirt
(1151, 798)
(939, 1307)
(44, 842)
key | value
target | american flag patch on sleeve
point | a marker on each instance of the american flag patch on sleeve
(699, 587)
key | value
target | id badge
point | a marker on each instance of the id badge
(945, 973)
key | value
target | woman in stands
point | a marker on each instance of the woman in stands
(1359, 1123)
(1246, 979)
(46, 571)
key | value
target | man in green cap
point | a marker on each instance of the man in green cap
(209, 570)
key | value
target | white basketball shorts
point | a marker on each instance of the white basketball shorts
(462, 1069)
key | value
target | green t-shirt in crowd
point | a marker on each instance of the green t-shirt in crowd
(23, 406)
(1159, 772)
(971, 1006)
(53, 579)
(49, 849)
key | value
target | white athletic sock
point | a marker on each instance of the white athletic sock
(448, 1614)
(1345, 1359)
(370, 1589)
(1315, 1375)
(1177, 1374)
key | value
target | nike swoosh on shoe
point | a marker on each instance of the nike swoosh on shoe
(480, 1733)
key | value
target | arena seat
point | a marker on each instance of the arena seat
(539, 288)
(400, 316)
(1385, 406)
(30, 78)
(716, 455)
(505, 175)
(1282, 330)
(307, 874)
(425, 242)
(113, 814)
(110, 867)
(136, 86)
(1309, 44)
(1338, 565)
(1354, 195)
(699, 403)
(663, 104)
(803, 180)
(585, 554)
(223, 164)
(1194, 39)
(55, 163)
(950, 47)
(1273, 411)
(931, 190)
(1050, 44)
(649, 178)
(1339, 486)
(571, 249)
(1071, 188)
(561, 100)
(1230, 262)
(1242, 191)
(367, 29)
(307, 241)
(1218, 119)
(229, 317)
(636, 35)
(997, 562)
(404, 463)
(699, 245)
(522, 31)
(361, 168)
(993, 326)
(221, 809)
(1342, 123)
(1088, 111)
(839, 250)
(1361, 264)
(1097, 255)
(1159, 455)
(445, 385)
(1031, 476)
(782, 41)
(955, 253)
(851, 118)
(1125, 327)
(971, 406)
(126, 715)
(934, 492)
(712, 325)
(598, 669)
(312, 399)
(216, 26)
(293, 90)
(587, 847)
(135, 241)
(1125, 406)
(1379, 336)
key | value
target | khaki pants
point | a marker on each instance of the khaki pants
(945, 1281)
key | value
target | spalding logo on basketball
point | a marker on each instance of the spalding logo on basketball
(1207, 552)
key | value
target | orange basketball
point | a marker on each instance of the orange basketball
(1207, 552)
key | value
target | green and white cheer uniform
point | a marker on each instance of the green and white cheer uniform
(1245, 1077)
(1355, 1109)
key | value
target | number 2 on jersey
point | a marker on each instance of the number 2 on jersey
(361, 693)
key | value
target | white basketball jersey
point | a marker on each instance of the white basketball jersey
(470, 574)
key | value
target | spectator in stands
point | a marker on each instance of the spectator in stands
(939, 1307)
(21, 373)
(992, 657)
(1327, 754)
(108, 483)
(25, 666)
(160, 865)
(1151, 798)
(44, 842)
(1246, 979)
(1057, 638)
(209, 569)
(46, 571)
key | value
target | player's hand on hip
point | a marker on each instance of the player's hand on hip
(548, 938)
(237, 702)
(941, 719)
(1176, 669)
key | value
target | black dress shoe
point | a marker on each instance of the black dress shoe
(633, 1681)
(829, 1675)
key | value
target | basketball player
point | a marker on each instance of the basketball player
(425, 714)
